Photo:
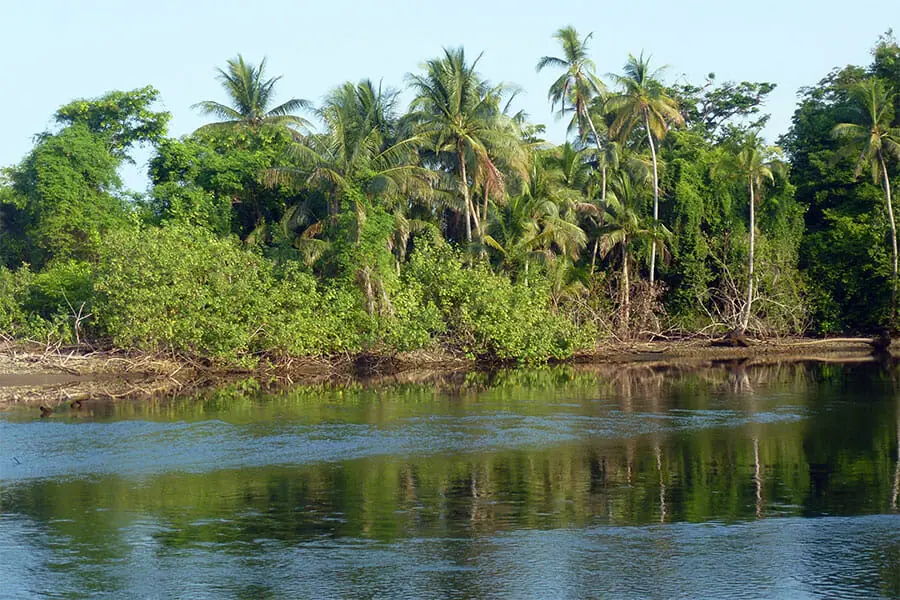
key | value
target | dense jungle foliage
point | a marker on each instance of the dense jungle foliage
(360, 225)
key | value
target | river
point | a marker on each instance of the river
(639, 481)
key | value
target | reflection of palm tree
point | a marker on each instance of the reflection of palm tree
(896, 492)
(757, 477)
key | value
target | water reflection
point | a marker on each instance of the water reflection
(564, 480)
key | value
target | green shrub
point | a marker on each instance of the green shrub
(53, 306)
(181, 288)
(485, 314)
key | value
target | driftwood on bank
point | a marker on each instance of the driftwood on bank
(880, 344)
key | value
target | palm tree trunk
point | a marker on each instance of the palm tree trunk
(594, 255)
(745, 322)
(890, 208)
(603, 189)
(655, 195)
(626, 303)
(465, 189)
(599, 156)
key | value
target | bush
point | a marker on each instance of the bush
(53, 306)
(181, 288)
(486, 315)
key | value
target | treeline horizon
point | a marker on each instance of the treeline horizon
(451, 224)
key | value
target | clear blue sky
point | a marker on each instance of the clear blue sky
(58, 50)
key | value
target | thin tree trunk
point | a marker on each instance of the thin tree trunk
(745, 322)
(890, 208)
(603, 189)
(655, 195)
(599, 155)
(465, 187)
(626, 304)
(594, 255)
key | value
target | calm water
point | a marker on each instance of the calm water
(727, 482)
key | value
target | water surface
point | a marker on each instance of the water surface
(724, 482)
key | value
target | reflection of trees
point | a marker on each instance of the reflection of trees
(629, 476)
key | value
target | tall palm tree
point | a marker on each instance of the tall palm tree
(623, 227)
(756, 164)
(872, 138)
(464, 121)
(643, 100)
(578, 85)
(251, 96)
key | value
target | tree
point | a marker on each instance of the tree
(66, 194)
(578, 85)
(123, 119)
(537, 223)
(461, 117)
(755, 164)
(623, 226)
(644, 100)
(251, 97)
(874, 140)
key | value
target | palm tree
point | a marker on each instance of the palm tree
(578, 85)
(755, 164)
(251, 96)
(530, 228)
(644, 100)
(872, 138)
(623, 226)
(359, 157)
(462, 118)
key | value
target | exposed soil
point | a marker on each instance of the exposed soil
(39, 377)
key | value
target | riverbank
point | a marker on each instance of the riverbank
(34, 376)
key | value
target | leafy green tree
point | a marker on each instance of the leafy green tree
(713, 108)
(251, 96)
(643, 100)
(872, 136)
(66, 194)
(214, 178)
(123, 119)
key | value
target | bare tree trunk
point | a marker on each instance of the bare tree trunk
(594, 255)
(626, 304)
(603, 189)
(745, 322)
(599, 156)
(655, 195)
(890, 208)
(465, 189)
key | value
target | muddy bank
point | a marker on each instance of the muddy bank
(31, 376)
